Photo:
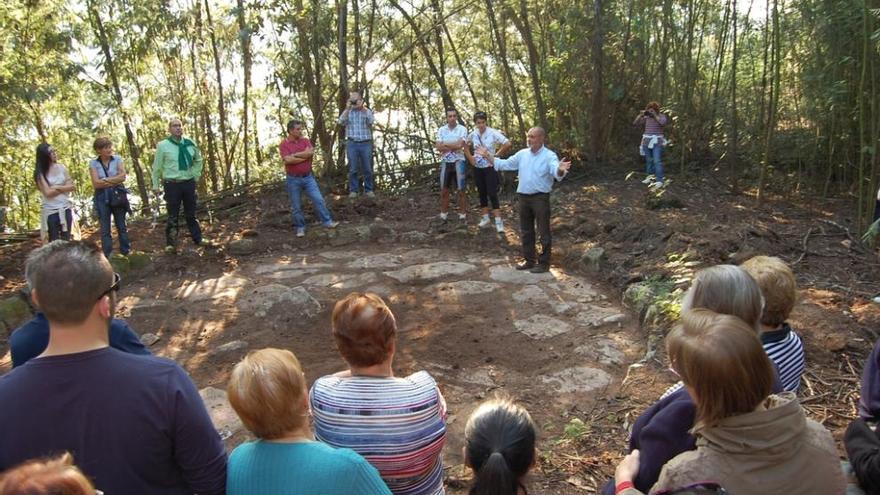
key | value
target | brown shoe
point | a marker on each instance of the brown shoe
(540, 268)
(525, 265)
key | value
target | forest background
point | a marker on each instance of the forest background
(770, 93)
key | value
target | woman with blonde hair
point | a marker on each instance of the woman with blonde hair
(397, 423)
(663, 430)
(268, 391)
(55, 476)
(749, 440)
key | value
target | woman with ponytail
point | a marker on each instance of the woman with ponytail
(499, 447)
(55, 185)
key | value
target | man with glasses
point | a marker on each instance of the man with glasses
(30, 340)
(177, 168)
(358, 122)
(134, 424)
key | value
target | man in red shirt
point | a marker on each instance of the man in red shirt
(296, 153)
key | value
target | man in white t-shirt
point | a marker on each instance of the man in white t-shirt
(485, 175)
(453, 167)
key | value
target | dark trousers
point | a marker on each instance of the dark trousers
(53, 222)
(105, 212)
(535, 208)
(175, 194)
(487, 185)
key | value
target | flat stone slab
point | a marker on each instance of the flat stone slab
(229, 347)
(574, 286)
(530, 294)
(227, 286)
(542, 326)
(578, 379)
(603, 350)
(225, 420)
(297, 300)
(430, 271)
(478, 258)
(273, 269)
(454, 291)
(594, 316)
(510, 275)
(375, 262)
(341, 280)
(341, 255)
(421, 255)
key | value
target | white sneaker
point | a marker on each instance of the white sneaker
(648, 180)
(499, 225)
(462, 217)
(371, 194)
(332, 225)
(656, 185)
(485, 221)
(352, 195)
(300, 232)
(444, 216)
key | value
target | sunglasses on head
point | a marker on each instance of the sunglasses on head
(115, 287)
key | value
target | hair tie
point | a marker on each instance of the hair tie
(498, 454)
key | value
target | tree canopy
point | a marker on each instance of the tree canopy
(779, 93)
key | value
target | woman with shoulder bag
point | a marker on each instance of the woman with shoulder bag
(108, 175)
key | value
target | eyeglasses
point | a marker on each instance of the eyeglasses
(115, 287)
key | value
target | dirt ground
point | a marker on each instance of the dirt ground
(562, 344)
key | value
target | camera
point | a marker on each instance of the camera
(647, 113)
(352, 102)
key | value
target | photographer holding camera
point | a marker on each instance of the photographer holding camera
(358, 122)
(653, 142)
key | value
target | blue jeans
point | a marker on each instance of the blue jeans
(360, 160)
(54, 226)
(295, 186)
(653, 163)
(104, 213)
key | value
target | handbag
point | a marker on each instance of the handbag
(118, 197)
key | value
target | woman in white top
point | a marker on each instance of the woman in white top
(54, 183)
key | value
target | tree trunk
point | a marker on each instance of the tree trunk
(505, 65)
(521, 21)
(342, 100)
(245, 37)
(598, 83)
(202, 90)
(221, 99)
(110, 66)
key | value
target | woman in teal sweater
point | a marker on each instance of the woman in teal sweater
(268, 392)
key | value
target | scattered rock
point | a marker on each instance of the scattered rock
(248, 233)
(638, 296)
(541, 326)
(595, 316)
(138, 260)
(120, 263)
(619, 317)
(225, 420)
(603, 350)
(13, 312)
(235, 345)
(593, 258)
(242, 247)
(381, 232)
(578, 379)
(149, 339)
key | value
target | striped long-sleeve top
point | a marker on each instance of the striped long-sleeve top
(786, 351)
(397, 424)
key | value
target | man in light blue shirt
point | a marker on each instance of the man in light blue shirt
(358, 122)
(538, 167)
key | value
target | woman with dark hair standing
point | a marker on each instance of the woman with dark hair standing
(485, 175)
(499, 447)
(54, 183)
(107, 171)
(652, 143)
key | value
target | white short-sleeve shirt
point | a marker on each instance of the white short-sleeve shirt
(454, 135)
(491, 139)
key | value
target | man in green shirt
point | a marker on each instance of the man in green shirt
(178, 164)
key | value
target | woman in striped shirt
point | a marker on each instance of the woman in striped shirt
(397, 424)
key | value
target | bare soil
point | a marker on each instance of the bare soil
(474, 343)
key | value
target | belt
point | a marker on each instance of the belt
(299, 175)
(178, 180)
(533, 194)
(359, 140)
